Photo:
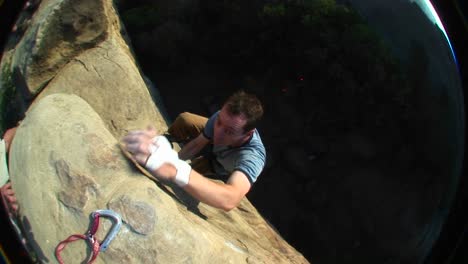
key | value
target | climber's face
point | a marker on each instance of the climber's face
(229, 129)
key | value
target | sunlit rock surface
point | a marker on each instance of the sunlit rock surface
(77, 48)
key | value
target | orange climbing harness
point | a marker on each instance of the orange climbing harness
(90, 235)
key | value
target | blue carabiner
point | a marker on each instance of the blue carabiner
(114, 230)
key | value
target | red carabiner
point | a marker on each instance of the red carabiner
(90, 236)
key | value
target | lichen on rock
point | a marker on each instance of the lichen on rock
(139, 215)
(79, 186)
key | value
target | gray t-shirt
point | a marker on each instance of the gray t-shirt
(248, 158)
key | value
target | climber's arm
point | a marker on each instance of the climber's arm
(162, 161)
(224, 196)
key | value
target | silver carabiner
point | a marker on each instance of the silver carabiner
(114, 230)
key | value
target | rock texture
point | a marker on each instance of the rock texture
(77, 48)
(65, 161)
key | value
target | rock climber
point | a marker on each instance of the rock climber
(226, 146)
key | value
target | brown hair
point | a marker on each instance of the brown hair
(247, 104)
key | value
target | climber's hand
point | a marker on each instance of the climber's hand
(157, 155)
(140, 144)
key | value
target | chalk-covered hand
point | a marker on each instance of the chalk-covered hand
(161, 152)
(153, 152)
(140, 143)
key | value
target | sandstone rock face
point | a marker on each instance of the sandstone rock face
(74, 166)
(77, 48)
(59, 31)
(65, 161)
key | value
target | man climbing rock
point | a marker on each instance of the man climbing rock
(227, 146)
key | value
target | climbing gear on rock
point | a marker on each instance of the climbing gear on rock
(90, 235)
(115, 229)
